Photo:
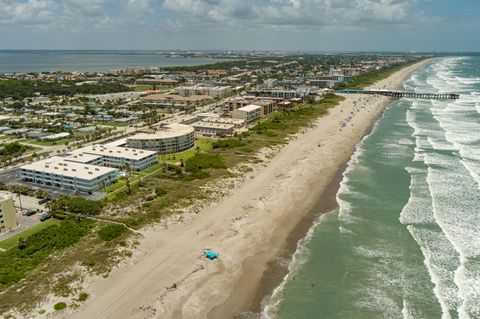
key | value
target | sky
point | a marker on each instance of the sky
(293, 25)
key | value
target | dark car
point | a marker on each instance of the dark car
(44, 217)
(43, 201)
(29, 213)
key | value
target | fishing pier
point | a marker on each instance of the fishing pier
(404, 94)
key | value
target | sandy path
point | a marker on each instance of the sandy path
(170, 279)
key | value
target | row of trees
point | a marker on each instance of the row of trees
(20, 89)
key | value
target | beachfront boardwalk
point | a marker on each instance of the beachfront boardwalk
(401, 94)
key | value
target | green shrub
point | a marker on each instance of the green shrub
(81, 205)
(160, 191)
(59, 215)
(228, 143)
(82, 297)
(111, 232)
(204, 161)
(17, 262)
(60, 306)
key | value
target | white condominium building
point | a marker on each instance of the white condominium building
(170, 139)
(114, 156)
(60, 173)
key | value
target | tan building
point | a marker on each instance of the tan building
(212, 129)
(285, 106)
(8, 220)
(237, 123)
(238, 102)
(250, 113)
(268, 106)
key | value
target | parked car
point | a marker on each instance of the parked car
(29, 212)
(43, 201)
(44, 217)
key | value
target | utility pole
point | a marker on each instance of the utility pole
(20, 202)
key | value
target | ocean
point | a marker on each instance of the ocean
(405, 241)
(23, 61)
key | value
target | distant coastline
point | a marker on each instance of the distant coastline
(26, 61)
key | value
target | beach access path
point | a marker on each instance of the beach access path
(169, 278)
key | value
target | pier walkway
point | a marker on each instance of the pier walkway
(401, 94)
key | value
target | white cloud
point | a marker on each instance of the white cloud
(29, 13)
(309, 13)
(86, 7)
(138, 8)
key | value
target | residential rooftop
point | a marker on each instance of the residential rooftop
(249, 108)
(167, 131)
(114, 151)
(59, 166)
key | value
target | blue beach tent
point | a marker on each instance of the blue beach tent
(210, 254)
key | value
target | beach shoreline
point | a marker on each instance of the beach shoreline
(252, 228)
(275, 272)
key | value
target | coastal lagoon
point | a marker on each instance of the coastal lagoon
(405, 240)
(23, 61)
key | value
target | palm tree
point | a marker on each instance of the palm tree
(127, 170)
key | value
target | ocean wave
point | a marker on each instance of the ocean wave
(270, 304)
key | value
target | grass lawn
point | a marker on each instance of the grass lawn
(49, 143)
(141, 88)
(13, 241)
(114, 187)
(4, 137)
(204, 145)
(114, 124)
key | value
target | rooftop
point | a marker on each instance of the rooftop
(224, 126)
(115, 151)
(249, 108)
(59, 166)
(168, 131)
(81, 157)
(224, 120)
(175, 97)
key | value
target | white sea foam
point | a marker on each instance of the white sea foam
(450, 149)
(270, 304)
(438, 255)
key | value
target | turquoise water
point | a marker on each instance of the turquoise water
(405, 242)
(88, 61)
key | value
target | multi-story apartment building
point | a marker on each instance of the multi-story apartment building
(172, 138)
(250, 113)
(114, 156)
(212, 129)
(60, 173)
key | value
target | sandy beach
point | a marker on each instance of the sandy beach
(255, 229)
